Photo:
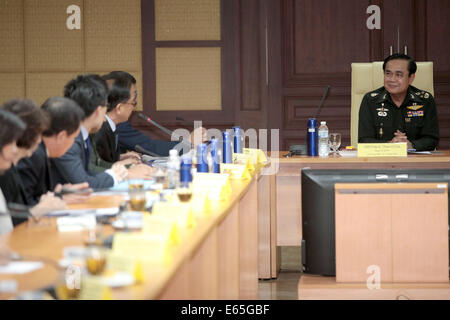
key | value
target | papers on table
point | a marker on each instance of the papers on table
(348, 153)
(76, 223)
(20, 267)
(125, 185)
(79, 212)
(413, 151)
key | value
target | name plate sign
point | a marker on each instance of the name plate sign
(382, 149)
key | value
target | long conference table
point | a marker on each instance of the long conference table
(216, 259)
(226, 253)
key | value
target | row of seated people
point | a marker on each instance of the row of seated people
(71, 142)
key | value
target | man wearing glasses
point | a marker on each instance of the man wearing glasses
(122, 98)
(399, 112)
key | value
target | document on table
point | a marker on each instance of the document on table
(413, 151)
(20, 267)
(79, 212)
(348, 153)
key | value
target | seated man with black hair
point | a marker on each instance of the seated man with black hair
(129, 137)
(64, 117)
(90, 93)
(11, 182)
(399, 112)
(122, 97)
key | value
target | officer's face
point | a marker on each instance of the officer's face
(396, 77)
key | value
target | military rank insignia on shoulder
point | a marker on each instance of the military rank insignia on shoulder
(424, 94)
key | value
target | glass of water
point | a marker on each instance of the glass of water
(334, 142)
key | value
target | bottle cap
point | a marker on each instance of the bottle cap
(323, 122)
(173, 153)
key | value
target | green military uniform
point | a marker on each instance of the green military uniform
(380, 118)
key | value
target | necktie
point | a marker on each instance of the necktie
(116, 136)
(87, 151)
(48, 176)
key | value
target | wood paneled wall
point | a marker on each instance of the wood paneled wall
(39, 54)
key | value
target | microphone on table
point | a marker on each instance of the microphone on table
(325, 95)
(150, 121)
(165, 130)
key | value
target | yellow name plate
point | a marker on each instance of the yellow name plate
(179, 213)
(163, 226)
(93, 289)
(201, 205)
(214, 185)
(245, 159)
(142, 246)
(236, 171)
(122, 263)
(382, 149)
(257, 155)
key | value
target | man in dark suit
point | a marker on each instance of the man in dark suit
(128, 137)
(64, 117)
(122, 98)
(90, 93)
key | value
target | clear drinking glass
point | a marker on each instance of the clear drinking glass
(335, 141)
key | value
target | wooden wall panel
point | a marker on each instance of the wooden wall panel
(113, 36)
(41, 86)
(11, 36)
(12, 86)
(50, 45)
(187, 20)
(251, 73)
(39, 54)
(323, 38)
(437, 47)
(438, 27)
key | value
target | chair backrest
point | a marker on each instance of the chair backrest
(367, 77)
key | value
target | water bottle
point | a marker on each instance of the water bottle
(173, 169)
(227, 149)
(312, 137)
(324, 148)
(215, 156)
(238, 140)
(185, 170)
(202, 159)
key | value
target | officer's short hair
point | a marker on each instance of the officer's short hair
(412, 66)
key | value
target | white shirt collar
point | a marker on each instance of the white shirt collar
(84, 133)
(111, 123)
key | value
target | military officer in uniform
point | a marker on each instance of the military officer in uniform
(399, 112)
